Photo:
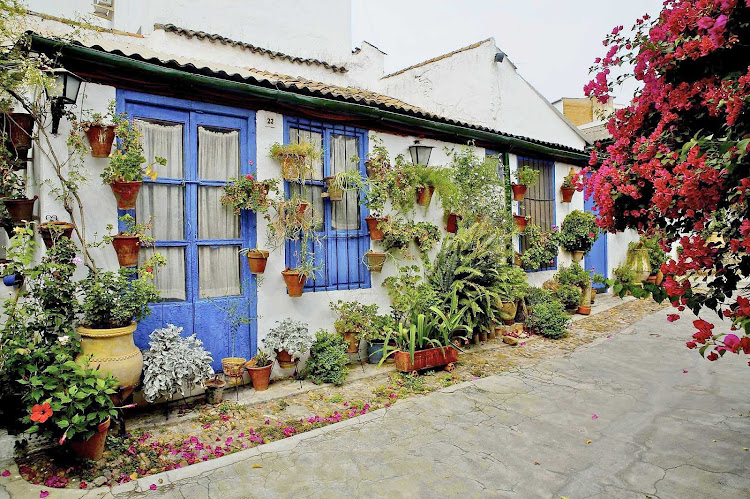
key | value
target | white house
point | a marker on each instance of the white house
(261, 73)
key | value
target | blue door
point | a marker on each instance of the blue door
(596, 259)
(205, 287)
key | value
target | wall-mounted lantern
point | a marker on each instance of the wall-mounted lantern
(420, 155)
(64, 91)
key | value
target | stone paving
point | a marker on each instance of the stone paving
(633, 415)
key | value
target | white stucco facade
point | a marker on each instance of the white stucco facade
(469, 86)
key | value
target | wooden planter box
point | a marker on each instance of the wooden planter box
(425, 359)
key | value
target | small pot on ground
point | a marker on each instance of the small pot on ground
(659, 277)
(232, 368)
(424, 195)
(50, 231)
(20, 209)
(284, 359)
(214, 390)
(593, 295)
(256, 260)
(126, 193)
(567, 194)
(520, 222)
(127, 249)
(577, 256)
(483, 336)
(425, 359)
(93, 447)
(375, 260)
(451, 224)
(260, 376)
(584, 309)
(352, 342)
(375, 351)
(295, 282)
(651, 279)
(372, 226)
(519, 191)
(100, 139)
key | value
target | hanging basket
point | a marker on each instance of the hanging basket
(127, 249)
(424, 195)
(19, 127)
(567, 194)
(20, 209)
(519, 191)
(335, 193)
(376, 234)
(451, 224)
(375, 260)
(126, 193)
(295, 282)
(256, 260)
(101, 138)
(520, 222)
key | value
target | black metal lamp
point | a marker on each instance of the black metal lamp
(420, 155)
(63, 91)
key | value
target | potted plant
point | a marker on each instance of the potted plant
(375, 260)
(549, 319)
(247, 193)
(289, 340)
(374, 335)
(19, 128)
(541, 247)
(215, 390)
(510, 287)
(375, 227)
(428, 179)
(451, 222)
(52, 230)
(574, 275)
(349, 180)
(353, 320)
(173, 363)
(585, 306)
(567, 294)
(296, 159)
(256, 259)
(567, 188)
(127, 243)
(127, 165)
(112, 305)
(526, 176)
(426, 235)
(521, 222)
(637, 260)
(578, 233)
(232, 366)
(328, 359)
(656, 257)
(259, 368)
(13, 193)
(397, 234)
(99, 130)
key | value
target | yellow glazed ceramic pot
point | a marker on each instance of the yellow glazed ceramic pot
(114, 352)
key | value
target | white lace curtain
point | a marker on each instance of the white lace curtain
(166, 204)
(218, 265)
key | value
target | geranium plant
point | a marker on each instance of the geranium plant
(579, 231)
(127, 163)
(247, 193)
(541, 247)
(526, 175)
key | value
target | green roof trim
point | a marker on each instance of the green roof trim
(190, 77)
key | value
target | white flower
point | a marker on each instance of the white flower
(63, 339)
(77, 260)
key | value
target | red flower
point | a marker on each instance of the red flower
(712, 356)
(672, 317)
(41, 413)
(691, 345)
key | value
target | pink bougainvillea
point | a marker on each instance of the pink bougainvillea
(677, 165)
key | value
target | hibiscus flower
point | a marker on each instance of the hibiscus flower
(41, 413)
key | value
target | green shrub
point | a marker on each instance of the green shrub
(537, 295)
(579, 231)
(575, 275)
(569, 296)
(549, 319)
(328, 359)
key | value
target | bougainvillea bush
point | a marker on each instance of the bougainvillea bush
(677, 166)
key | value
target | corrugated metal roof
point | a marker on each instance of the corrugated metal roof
(120, 47)
(202, 35)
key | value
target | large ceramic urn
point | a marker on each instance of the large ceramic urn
(114, 352)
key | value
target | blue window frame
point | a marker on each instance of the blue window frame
(343, 237)
(539, 201)
(189, 228)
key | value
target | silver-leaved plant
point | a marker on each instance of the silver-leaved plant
(290, 335)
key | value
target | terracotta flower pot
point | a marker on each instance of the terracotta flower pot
(520, 222)
(260, 376)
(352, 342)
(483, 336)
(284, 359)
(232, 368)
(593, 295)
(214, 390)
(291, 166)
(295, 282)
(425, 359)
(375, 260)
(517, 260)
(651, 279)
(659, 277)
(127, 249)
(100, 139)
(567, 194)
(424, 195)
(19, 127)
(126, 193)
(93, 447)
(519, 191)
(335, 193)
(452, 223)
(114, 351)
(577, 255)
(50, 231)
(372, 225)
(584, 310)
(20, 209)
(256, 260)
